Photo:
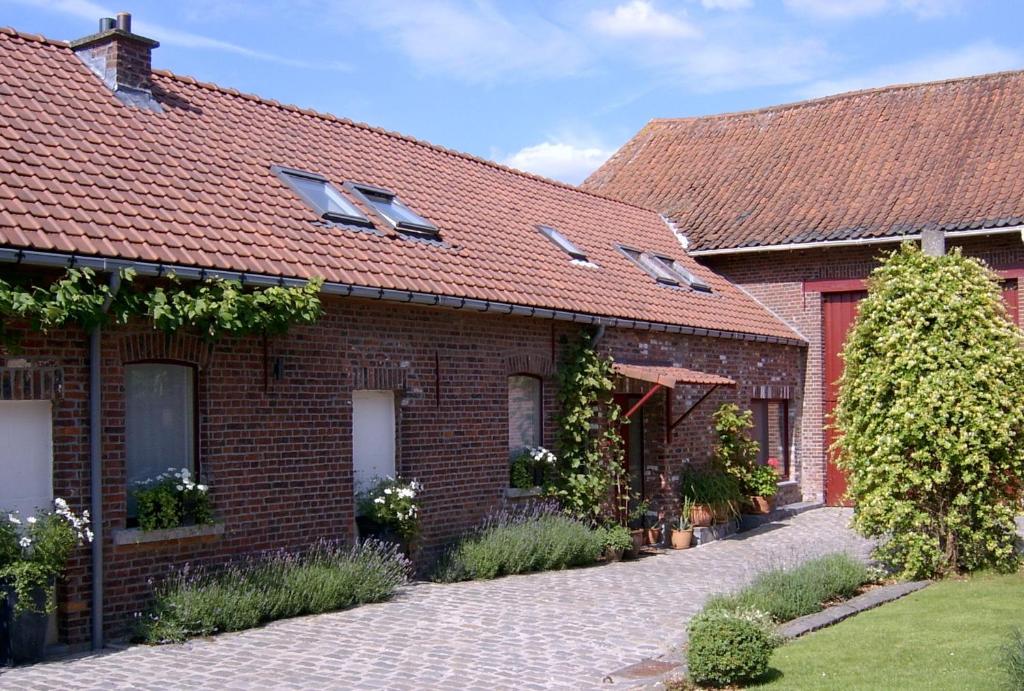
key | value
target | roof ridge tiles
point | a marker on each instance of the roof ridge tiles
(807, 102)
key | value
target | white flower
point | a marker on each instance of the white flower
(180, 488)
(31, 520)
(378, 500)
(387, 490)
(13, 519)
(60, 503)
(202, 488)
(88, 535)
(25, 542)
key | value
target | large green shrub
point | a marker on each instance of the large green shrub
(786, 594)
(519, 541)
(931, 413)
(729, 647)
(195, 602)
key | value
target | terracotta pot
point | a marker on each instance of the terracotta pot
(612, 555)
(638, 543)
(721, 513)
(653, 536)
(681, 539)
(761, 505)
(701, 516)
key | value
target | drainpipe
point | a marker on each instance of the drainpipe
(96, 467)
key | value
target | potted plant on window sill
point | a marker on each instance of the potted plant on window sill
(171, 499)
(33, 555)
(681, 536)
(530, 469)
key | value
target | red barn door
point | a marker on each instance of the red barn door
(839, 311)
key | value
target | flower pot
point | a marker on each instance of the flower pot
(721, 513)
(761, 505)
(701, 516)
(27, 630)
(613, 555)
(638, 543)
(681, 539)
(653, 536)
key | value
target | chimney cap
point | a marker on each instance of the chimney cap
(124, 21)
(110, 29)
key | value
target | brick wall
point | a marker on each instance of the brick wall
(276, 451)
(777, 280)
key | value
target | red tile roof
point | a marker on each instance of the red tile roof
(80, 172)
(882, 162)
(670, 376)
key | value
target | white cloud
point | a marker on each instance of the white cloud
(173, 37)
(977, 58)
(728, 5)
(560, 159)
(640, 19)
(477, 43)
(852, 9)
(724, 66)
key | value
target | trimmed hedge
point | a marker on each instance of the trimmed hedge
(329, 577)
(729, 647)
(520, 541)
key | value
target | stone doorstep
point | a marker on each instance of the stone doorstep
(651, 673)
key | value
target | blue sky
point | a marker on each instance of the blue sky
(551, 86)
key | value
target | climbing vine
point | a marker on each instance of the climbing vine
(590, 479)
(215, 307)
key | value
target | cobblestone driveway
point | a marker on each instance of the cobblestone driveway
(564, 629)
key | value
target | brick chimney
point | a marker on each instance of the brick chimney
(121, 59)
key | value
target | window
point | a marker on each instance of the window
(159, 420)
(563, 243)
(373, 436)
(771, 432)
(393, 210)
(320, 194)
(666, 270)
(524, 411)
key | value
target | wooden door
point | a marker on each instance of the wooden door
(839, 310)
(1010, 297)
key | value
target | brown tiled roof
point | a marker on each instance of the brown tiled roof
(882, 162)
(80, 172)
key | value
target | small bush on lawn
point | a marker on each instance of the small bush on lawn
(729, 647)
(197, 602)
(786, 594)
(1013, 660)
(537, 538)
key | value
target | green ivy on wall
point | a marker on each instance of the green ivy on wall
(590, 480)
(214, 307)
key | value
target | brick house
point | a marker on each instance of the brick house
(451, 284)
(795, 203)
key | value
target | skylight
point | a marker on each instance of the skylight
(393, 210)
(563, 243)
(319, 193)
(666, 270)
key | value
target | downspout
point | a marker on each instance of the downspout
(96, 466)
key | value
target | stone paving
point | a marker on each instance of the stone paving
(555, 630)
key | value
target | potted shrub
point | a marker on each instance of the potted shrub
(653, 535)
(33, 555)
(762, 484)
(617, 539)
(390, 511)
(531, 468)
(715, 496)
(682, 533)
(638, 535)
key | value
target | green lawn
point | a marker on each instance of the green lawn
(944, 637)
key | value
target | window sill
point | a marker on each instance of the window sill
(783, 484)
(513, 493)
(137, 536)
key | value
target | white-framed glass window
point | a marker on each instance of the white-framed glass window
(525, 427)
(159, 419)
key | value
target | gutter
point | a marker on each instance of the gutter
(855, 242)
(57, 260)
(96, 466)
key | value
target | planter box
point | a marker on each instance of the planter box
(138, 536)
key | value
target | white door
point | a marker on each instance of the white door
(26, 456)
(373, 436)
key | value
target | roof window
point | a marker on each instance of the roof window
(393, 210)
(666, 270)
(563, 243)
(318, 192)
